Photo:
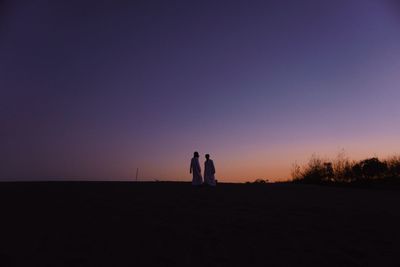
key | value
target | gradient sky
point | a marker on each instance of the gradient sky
(95, 89)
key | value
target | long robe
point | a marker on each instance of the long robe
(196, 171)
(209, 172)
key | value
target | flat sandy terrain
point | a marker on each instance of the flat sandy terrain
(173, 224)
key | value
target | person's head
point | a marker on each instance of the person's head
(207, 156)
(196, 154)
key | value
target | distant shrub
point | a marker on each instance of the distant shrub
(314, 171)
(260, 181)
(296, 172)
(342, 168)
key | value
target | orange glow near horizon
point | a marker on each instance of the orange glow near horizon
(274, 163)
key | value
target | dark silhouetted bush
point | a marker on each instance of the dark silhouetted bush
(260, 181)
(393, 166)
(316, 171)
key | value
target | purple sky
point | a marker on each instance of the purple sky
(95, 89)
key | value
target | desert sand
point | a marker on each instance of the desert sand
(173, 224)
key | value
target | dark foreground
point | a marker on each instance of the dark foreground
(173, 224)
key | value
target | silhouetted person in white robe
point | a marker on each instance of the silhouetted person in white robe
(196, 170)
(209, 171)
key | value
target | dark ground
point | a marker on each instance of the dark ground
(173, 224)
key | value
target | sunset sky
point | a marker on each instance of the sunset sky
(93, 90)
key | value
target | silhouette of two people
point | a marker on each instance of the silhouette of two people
(209, 171)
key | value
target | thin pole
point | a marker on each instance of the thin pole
(137, 173)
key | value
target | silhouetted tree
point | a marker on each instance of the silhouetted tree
(393, 165)
(373, 168)
(356, 172)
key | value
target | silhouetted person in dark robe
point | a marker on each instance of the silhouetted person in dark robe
(209, 171)
(196, 170)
